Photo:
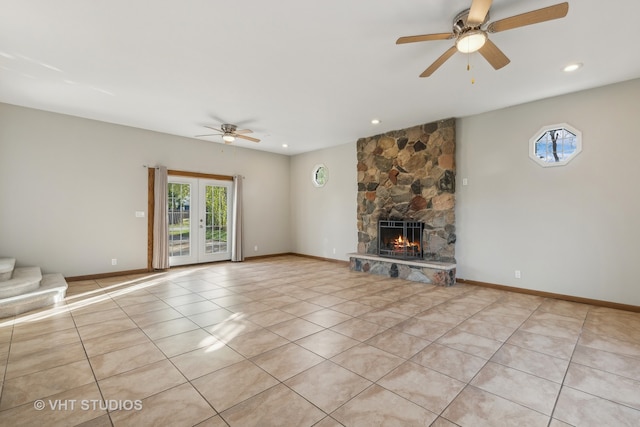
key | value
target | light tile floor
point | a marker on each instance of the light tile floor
(293, 341)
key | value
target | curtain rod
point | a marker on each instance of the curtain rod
(195, 174)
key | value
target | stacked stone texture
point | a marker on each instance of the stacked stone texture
(409, 174)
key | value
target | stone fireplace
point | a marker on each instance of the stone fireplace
(409, 175)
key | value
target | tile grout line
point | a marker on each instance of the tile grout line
(6, 365)
(89, 362)
(468, 384)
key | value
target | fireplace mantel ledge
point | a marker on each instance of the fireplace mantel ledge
(435, 265)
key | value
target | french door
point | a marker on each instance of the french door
(199, 220)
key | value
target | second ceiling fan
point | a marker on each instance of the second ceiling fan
(230, 132)
(471, 36)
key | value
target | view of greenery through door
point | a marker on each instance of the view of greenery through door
(215, 219)
(179, 222)
(213, 222)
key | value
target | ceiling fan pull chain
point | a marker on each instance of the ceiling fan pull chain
(473, 80)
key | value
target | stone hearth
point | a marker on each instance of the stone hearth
(435, 273)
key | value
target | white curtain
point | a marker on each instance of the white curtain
(160, 220)
(236, 225)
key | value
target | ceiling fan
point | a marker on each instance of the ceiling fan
(230, 132)
(471, 36)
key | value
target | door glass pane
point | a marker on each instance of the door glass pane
(179, 224)
(215, 219)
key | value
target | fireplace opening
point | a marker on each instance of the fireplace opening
(400, 239)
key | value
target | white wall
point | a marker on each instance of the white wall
(69, 189)
(571, 230)
(323, 220)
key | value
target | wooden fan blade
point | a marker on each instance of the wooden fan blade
(534, 17)
(493, 55)
(248, 138)
(212, 128)
(424, 38)
(478, 12)
(210, 134)
(241, 131)
(438, 62)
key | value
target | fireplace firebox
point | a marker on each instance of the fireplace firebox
(400, 239)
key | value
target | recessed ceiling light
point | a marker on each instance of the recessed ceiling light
(285, 145)
(375, 121)
(572, 67)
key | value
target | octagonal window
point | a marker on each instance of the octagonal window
(555, 145)
(320, 175)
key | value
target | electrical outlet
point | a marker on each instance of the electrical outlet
(518, 274)
(114, 262)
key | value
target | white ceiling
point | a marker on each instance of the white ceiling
(307, 74)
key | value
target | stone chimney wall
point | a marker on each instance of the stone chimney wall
(409, 174)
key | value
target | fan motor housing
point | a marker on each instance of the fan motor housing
(227, 128)
(460, 22)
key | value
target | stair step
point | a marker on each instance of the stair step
(25, 279)
(52, 289)
(6, 268)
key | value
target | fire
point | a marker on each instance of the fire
(401, 243)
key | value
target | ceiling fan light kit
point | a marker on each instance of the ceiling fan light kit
(470, 32)
(471, 41)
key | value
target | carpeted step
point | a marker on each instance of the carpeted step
(6, 268)
(24, 279)
(52, 289)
